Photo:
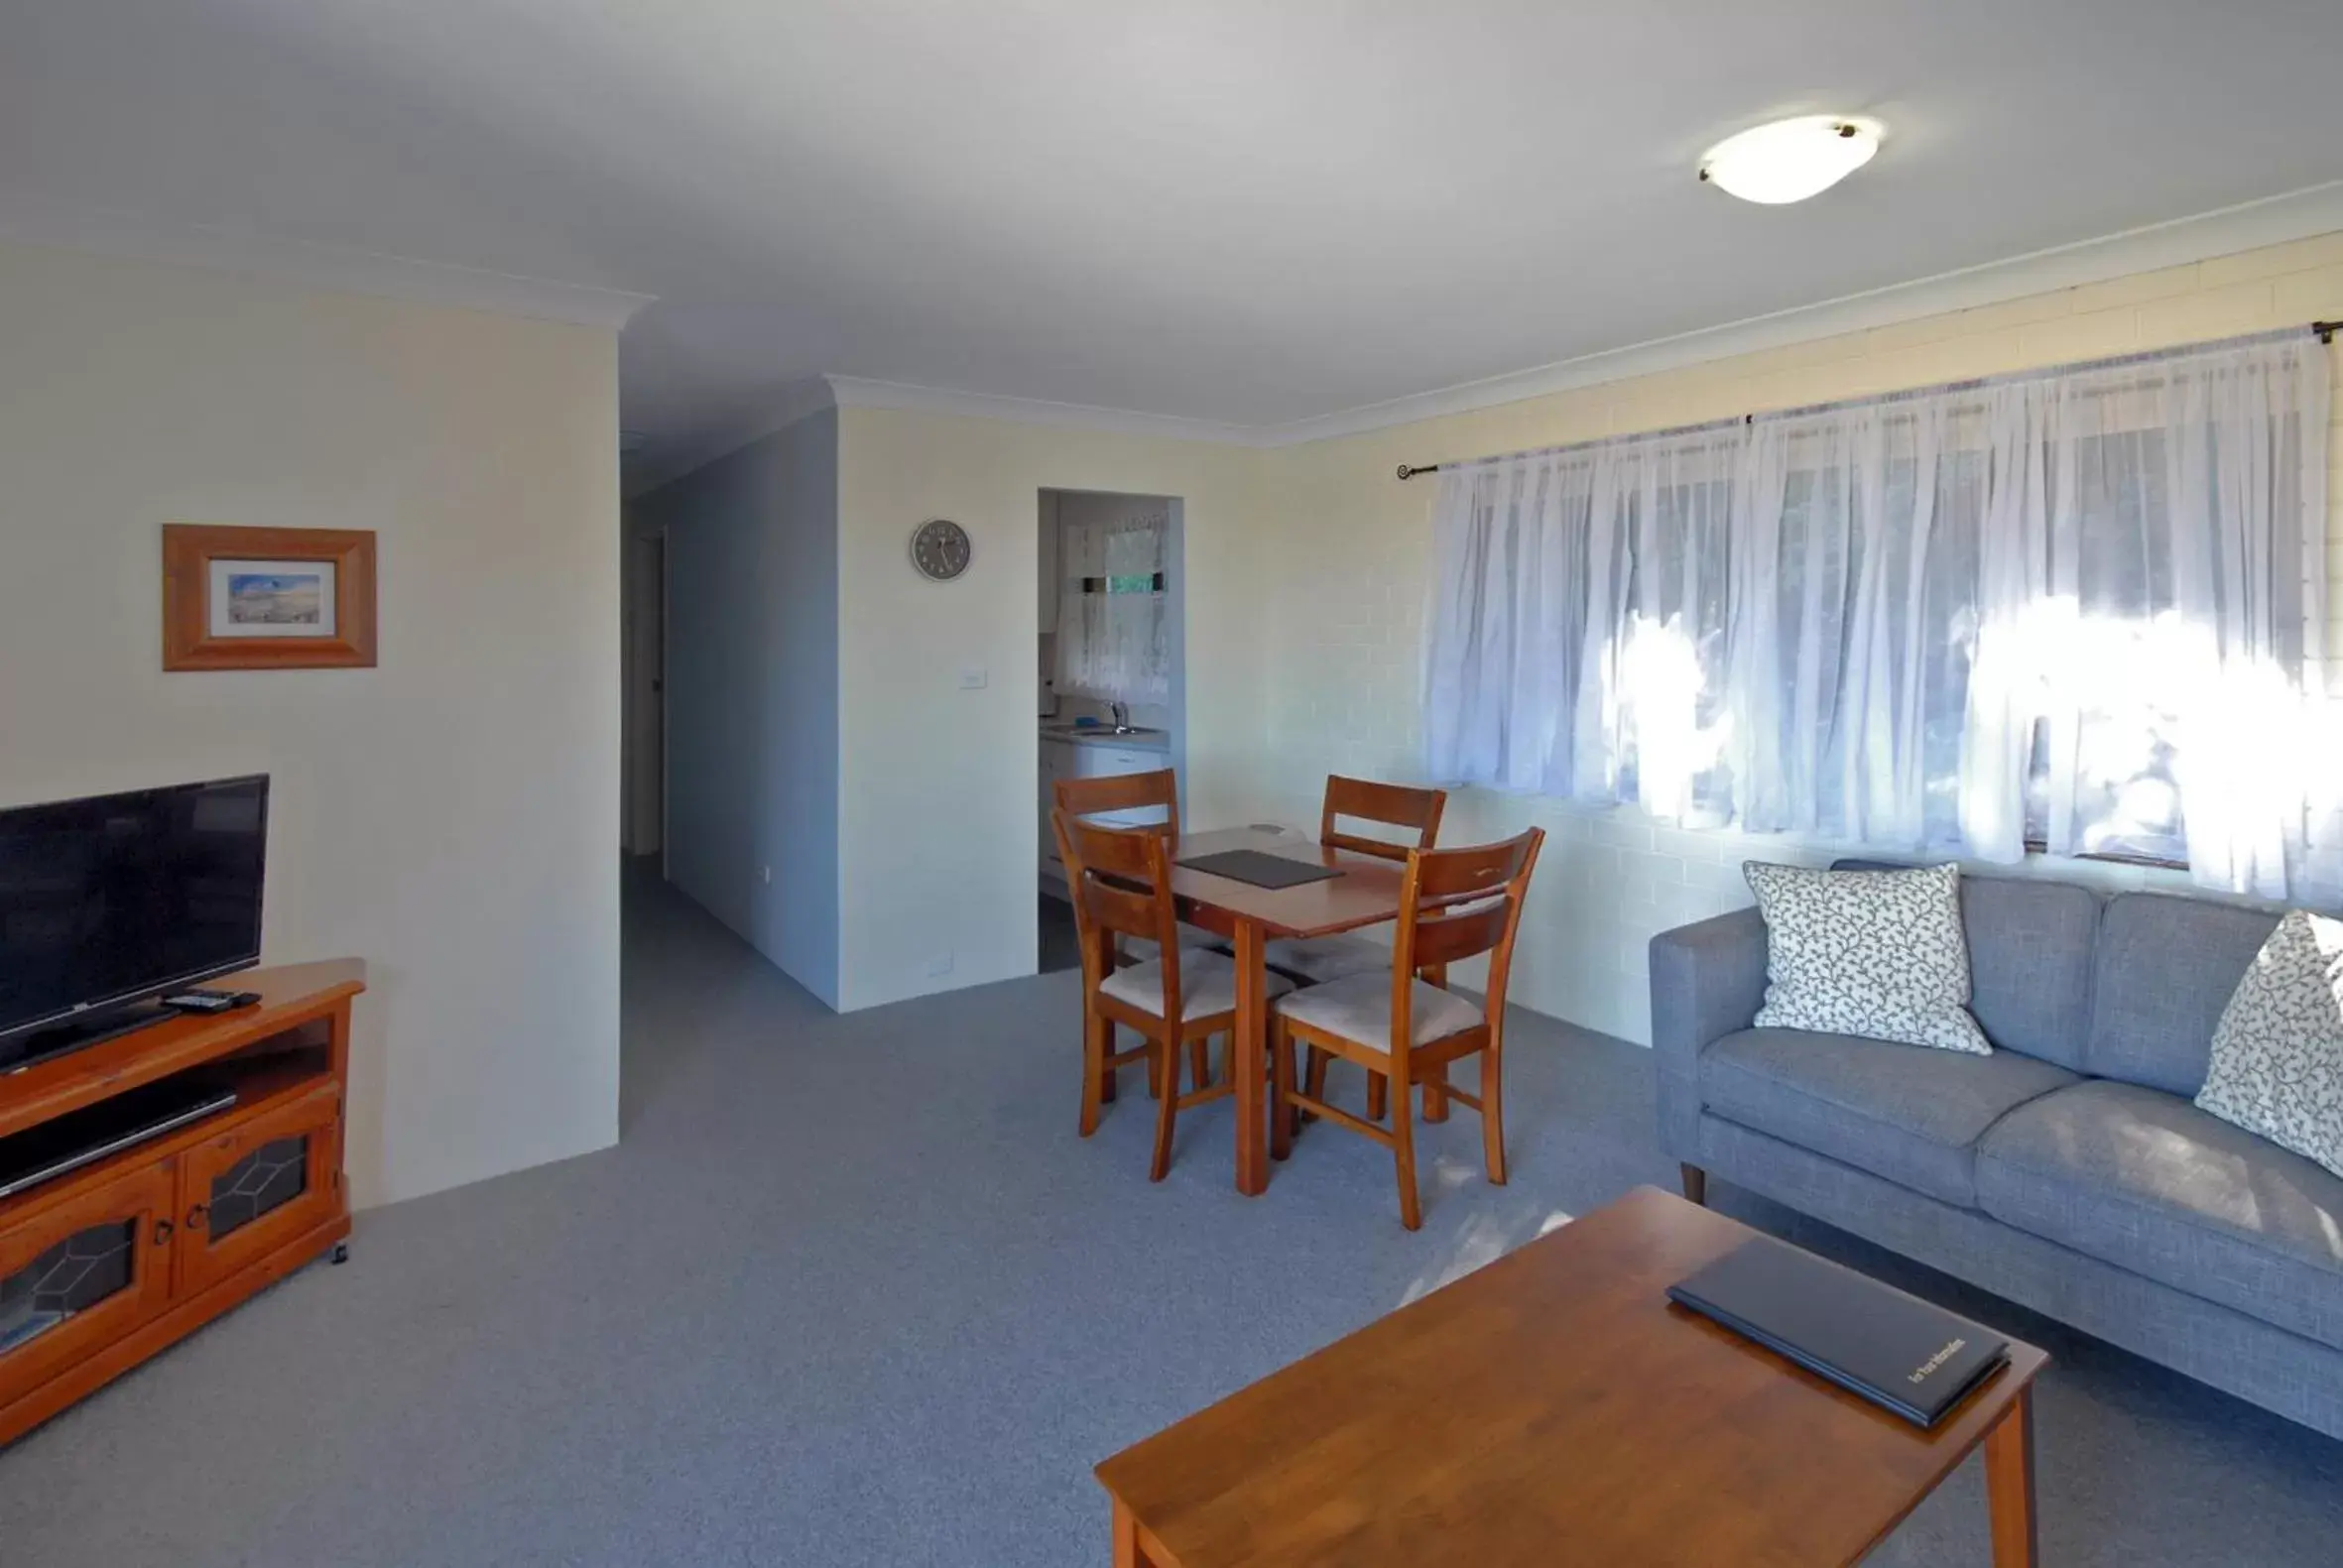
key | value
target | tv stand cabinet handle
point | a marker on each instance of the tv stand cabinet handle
(162, 1233)
(197, 1215)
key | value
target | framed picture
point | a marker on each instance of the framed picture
(267, 598)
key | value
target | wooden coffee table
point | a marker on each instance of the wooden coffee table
(1553, 1408)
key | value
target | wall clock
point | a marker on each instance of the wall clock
(939, 549)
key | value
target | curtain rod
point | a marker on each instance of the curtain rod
(2324, 332)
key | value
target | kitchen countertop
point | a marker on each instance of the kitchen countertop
(1100, 735)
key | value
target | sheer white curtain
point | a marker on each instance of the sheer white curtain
(1855, 598)
(1113, 614)
(2084, 610)
(2156, 616)
(1579, 623)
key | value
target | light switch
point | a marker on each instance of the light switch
(972, 677)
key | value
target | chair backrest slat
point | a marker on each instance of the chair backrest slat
(1095, 796)
(1451, 875)
(1127, 912)
(1393, 806)
(1443, 938)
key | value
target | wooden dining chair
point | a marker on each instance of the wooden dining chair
(1121, 883)
(1454, 904)
(1120, 795)
(1327, 958)
(1320, 960)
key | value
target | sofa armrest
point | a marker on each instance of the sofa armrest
(1708, 980)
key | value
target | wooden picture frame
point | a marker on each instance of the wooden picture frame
(267, 598)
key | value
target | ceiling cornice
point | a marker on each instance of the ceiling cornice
(63, 226)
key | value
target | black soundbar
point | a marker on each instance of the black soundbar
(83, 1137)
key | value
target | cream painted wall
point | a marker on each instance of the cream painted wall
(1350, 552)
(938, 835)
(445, 817)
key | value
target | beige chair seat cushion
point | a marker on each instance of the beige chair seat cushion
(1318, 960)
(1359, 1009)
(1188, 940)
(1207, 985)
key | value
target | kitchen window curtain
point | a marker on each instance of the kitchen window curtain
(2085, 611)
(1113, 612)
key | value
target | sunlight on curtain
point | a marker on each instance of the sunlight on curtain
(2085, 610)
(1580, 621)
(1114, 639)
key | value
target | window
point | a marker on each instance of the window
(2084, 611)
(1113, 615)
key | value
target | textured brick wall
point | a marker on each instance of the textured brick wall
(1351, 551)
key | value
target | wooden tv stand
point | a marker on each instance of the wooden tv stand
(130, 1254)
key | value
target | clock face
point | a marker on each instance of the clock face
(940, 550)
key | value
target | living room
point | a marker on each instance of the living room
(731, 1206)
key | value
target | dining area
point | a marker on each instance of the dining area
(1246, 961)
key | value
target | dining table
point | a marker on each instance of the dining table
(1366, 893)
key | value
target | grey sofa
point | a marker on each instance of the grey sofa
(2069, 1172)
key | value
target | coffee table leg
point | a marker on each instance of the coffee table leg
(1126, 1536)
(1251, 1030)
(2008, 1485)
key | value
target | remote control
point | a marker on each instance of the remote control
(210, 1001)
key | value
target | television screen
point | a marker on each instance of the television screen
(114, 898)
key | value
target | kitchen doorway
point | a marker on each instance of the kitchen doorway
(1112, 662)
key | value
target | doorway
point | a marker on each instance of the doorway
(1112, 676)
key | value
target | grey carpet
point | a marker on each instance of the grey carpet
(851, 1291)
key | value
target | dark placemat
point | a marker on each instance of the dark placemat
(1261, 868)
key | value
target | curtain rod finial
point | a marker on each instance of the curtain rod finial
(1407, 472)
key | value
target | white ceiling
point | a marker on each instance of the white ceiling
(1254, 211)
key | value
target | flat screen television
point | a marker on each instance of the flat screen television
(109, 902)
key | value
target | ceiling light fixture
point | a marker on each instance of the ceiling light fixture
(1791, 160)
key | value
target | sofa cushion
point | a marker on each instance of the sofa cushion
(2165, 968)
(2030, 964)
(2145, 1181)
(1908, 1113)
(2030, 960)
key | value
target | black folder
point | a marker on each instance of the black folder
(1870, 1339)
(1263, 869)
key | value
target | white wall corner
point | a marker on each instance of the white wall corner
(32, 220)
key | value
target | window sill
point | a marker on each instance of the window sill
(2036, 846)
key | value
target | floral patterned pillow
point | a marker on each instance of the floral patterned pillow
(1876, 953)
(2278, 1052)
